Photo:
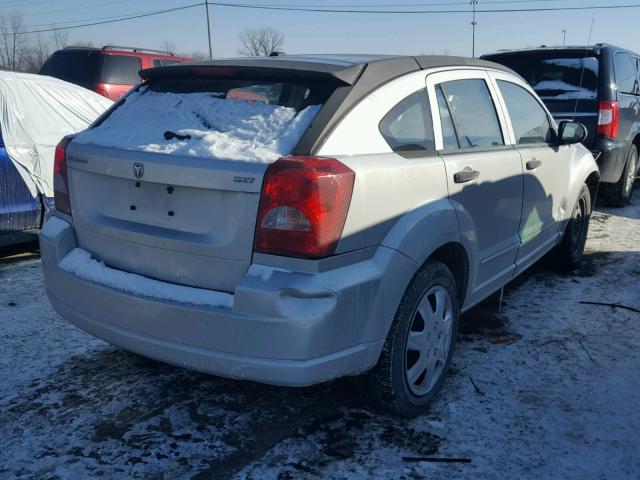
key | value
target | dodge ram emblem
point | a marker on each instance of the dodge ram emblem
(138, 170)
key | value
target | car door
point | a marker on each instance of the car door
(626, 74)
(545, 164)
(484, 173)
(18, 209)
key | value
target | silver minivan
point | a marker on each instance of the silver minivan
(296, 219)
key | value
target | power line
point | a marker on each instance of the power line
(141, 15)
(320, 9)
(22, 3)
(122, 16)
(390, 5)
(83, 7)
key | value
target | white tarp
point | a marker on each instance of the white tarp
(35, 113)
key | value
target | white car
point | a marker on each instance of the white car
(295, 219)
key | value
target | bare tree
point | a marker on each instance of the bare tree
(168, 46)
(12, 46)
(60, 39)
(260, 41)
(36, 55)
(197, 56)
(84, 43)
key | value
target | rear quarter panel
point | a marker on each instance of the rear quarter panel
(582, 165)
(399, 201)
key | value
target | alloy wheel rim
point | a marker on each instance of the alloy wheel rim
(578, 227)
(429, 341)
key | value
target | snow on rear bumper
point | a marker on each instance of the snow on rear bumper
(272, 332)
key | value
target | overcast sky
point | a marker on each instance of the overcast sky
(312, 32)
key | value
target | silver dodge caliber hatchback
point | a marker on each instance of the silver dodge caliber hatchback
(296, 219)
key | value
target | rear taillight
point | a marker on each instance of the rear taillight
(101, 91)
(303, 207)
(60, 179)
(608, 119)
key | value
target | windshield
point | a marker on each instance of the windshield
(555, 75)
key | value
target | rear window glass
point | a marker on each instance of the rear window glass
(556, 75)
(120, 69)
(231, 119)
(91, 66)
(80, 67)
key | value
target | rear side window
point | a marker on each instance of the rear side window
(120, 69)
(473, 112)
(626, 73)
(529, 120)
(408, 126)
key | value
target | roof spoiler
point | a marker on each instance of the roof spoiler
(268, 67)
(138, 49)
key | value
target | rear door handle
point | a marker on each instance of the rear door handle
(533, 164)
(465, 175)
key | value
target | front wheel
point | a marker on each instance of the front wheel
(570, 250)
(420, 344)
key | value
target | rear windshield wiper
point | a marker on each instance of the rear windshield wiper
(169, 135)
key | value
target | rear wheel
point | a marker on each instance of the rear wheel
(420, 344)
(620, 193)
(570, 250)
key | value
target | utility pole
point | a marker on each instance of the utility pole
(564, 37)
(206, 6)
(473, 4)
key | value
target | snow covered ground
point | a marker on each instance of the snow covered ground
(548, 388)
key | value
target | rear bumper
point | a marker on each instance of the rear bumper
(611, 157)
(284, 328)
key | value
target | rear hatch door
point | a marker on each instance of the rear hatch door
(175, 218)
(168, 186)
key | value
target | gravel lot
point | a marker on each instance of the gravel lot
(547, 388)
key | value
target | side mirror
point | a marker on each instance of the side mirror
(571, 132)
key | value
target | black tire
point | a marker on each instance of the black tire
(388, 382)
(569, 252)
(619, 194)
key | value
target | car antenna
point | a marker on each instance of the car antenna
(584, 64)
